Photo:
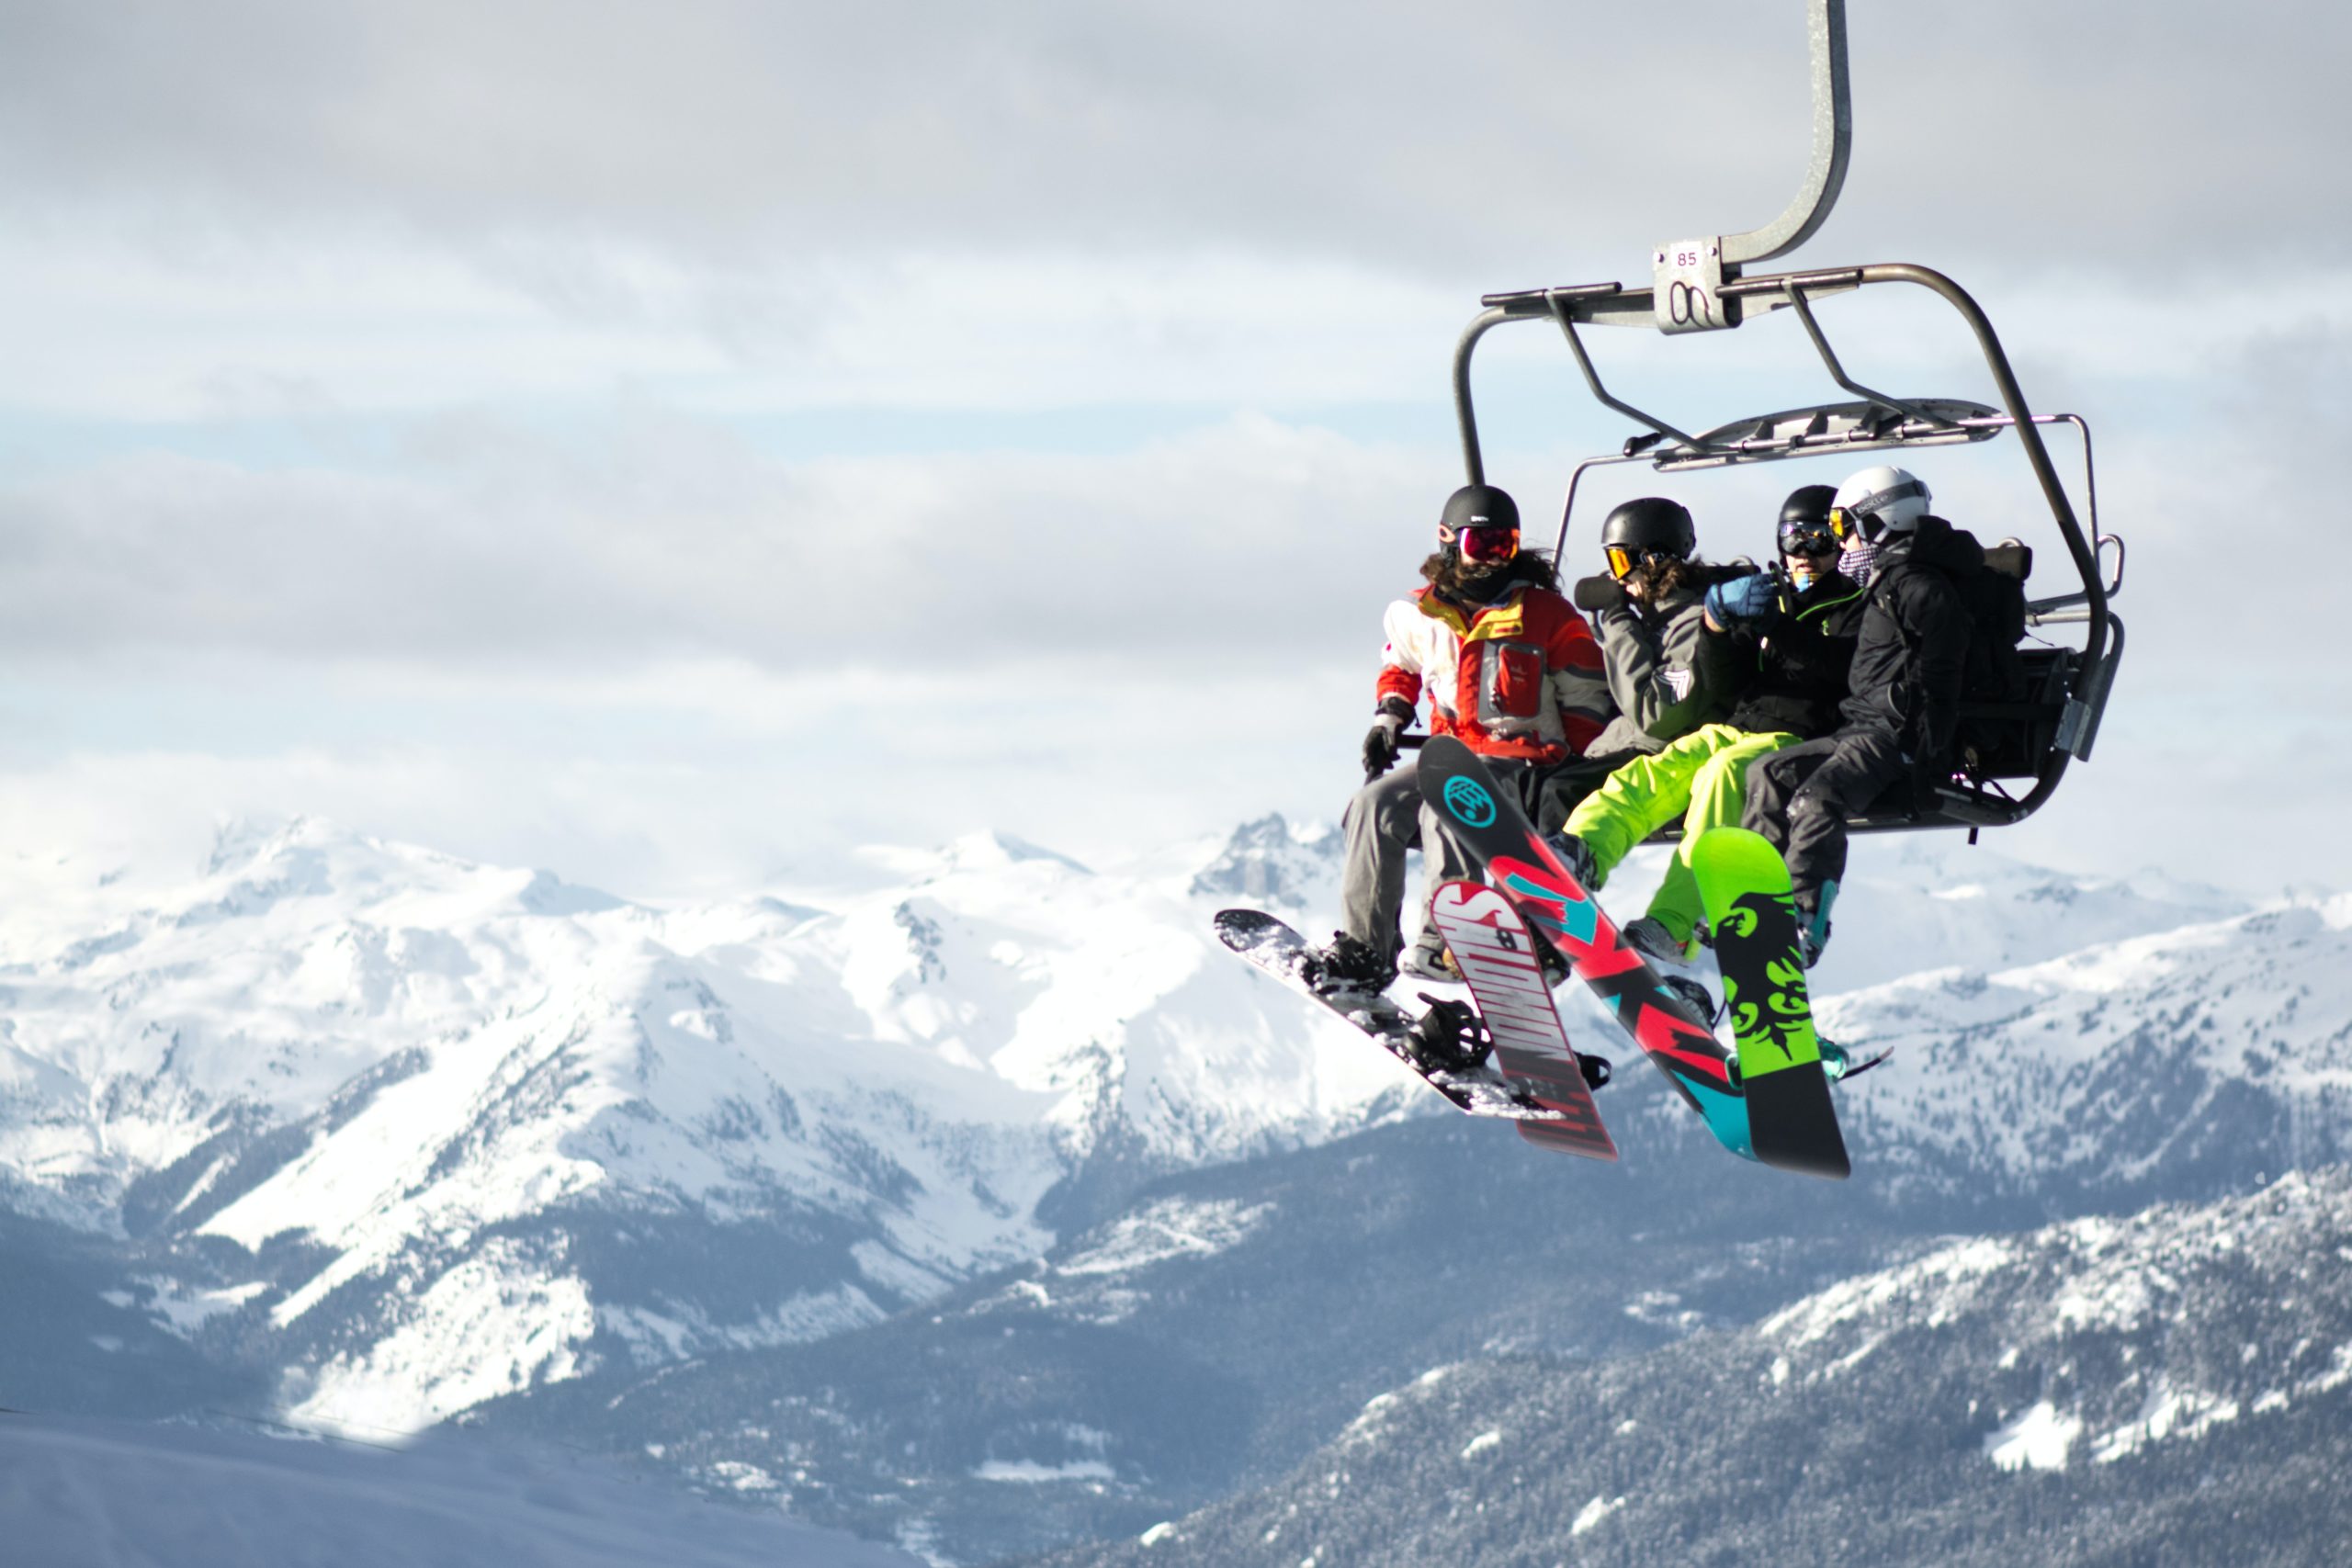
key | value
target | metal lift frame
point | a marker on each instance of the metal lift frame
(1699, 286)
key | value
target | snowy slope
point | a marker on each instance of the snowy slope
(2175, 1387)
(1914, 901)
(2212, 1048)
(470, 1126)
(419, 1132)
(79, 1494)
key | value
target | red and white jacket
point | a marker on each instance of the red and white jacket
(1520, 677)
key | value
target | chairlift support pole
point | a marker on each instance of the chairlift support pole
(1686, 293)
(1686, 287)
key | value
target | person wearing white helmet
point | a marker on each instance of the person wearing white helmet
(1886, 496)
(1903, 689)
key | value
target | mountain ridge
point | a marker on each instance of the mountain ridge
(413, 1138)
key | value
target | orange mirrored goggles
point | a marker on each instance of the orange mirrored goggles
(1623, 561)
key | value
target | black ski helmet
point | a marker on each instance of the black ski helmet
(1805, 519)
(1477, 506)
(1650, 526)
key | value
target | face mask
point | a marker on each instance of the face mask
(1800, 575)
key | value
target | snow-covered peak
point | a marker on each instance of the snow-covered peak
(469, 1127)
(983, 852)
(407, 1086)
(1272, 863)
(2178, 1049)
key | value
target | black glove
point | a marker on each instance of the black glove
(1597, 593)
(1380, 746)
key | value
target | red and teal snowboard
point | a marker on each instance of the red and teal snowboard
(1488, 824)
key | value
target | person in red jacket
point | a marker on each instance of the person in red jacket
(1509, 667)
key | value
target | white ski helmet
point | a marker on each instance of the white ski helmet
(1878, 501)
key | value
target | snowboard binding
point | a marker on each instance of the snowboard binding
(1451, 1037)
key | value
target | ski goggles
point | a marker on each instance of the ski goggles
(1623, 561)
(1844, 524)
(1814, 540)
(1487, 544)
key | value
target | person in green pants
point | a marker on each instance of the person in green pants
(1790, 635)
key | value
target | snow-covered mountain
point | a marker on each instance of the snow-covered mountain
(415, 1133)
(2157, 1066)
(426, 1131)
(2176, 1387)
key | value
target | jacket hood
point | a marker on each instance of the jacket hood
(1933, 542)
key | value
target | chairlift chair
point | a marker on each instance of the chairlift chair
(1699, 286)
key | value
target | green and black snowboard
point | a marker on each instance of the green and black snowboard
(1743, 884)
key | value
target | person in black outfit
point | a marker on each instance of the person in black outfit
(1903, 691)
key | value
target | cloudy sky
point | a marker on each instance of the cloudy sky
(675, 444)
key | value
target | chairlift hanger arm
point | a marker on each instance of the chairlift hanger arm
(1833, 138)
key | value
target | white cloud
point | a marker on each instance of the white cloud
(1494, 136)
(656, 536)
(576, 435)
(709, 780)
(328, 323)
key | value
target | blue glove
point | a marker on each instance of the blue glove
(1743, 599)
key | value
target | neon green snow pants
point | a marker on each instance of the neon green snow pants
(1702, 777)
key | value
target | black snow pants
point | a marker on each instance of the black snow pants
(1551, 794)
(1801, 796)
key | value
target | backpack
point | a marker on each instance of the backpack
(1993, 596)
(1994, 683)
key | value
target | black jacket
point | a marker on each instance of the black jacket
(1913, 649)
(1794, 666)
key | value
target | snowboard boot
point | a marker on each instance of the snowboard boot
(1554, 961)
(1428, 960)
(1649, 937)
(1451, 1037)
(1692, 995)
(1349, 964)
(1838, 1064)
(1577, 855)
(1813, 924)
